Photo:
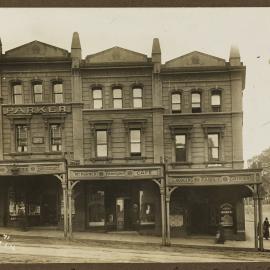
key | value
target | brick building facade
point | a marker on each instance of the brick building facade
(120, 141)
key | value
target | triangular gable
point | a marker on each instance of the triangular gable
(195, 59)
(116, 54)
(37, 49)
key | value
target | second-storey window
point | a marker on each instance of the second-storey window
(137, 97)
(216, 101)
(176, 103)
(97, 98)
(196, 102)
(180, 148)
(135, 142)
(17, 94)
(55, 138)
(102, 143)
(58, 93)
(117, 98)
(213, 147)
(21, 138)
(37, 92)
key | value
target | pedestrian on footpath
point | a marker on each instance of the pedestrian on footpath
(266, 229)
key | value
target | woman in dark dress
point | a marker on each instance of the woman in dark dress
(266, 229)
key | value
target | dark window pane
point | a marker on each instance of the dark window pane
(96, 208)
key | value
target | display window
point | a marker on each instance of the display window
(147, 208)
(96, 208)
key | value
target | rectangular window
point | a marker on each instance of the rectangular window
(102, 143)
(196, 102)
(117, 98)
(135, 142)
(58, 93)
(137, 97)
(38, 93)
(180, 148)
(213, 147)
(17, 94)
(176, 103)
(97, 98)
(55, 137)
(216, 102)
(21, 138)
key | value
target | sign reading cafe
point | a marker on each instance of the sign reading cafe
(36, 109)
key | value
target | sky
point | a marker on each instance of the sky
(180, 31)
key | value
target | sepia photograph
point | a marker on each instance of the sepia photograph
(134, 135)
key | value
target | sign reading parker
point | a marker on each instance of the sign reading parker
(36, 109)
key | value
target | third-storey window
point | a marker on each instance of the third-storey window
(196, 102)
(180, 147)
(216, 101)
(117, 98)
(102, 143)
(135, 142)
(97, 98)
(137, 97)
(176, 103)
(17, 94)
(55, 137)
(21, 138)
(58, 93)
(38, 93)
(213, 147)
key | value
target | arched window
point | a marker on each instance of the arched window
(176, 102)
(58, 92)
(117, 98)
(97, 98)
(37, 92)
(17, 93)
(216, 100)
(196, 102)
(137, 97)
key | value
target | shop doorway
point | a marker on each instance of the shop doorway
(48, 215)
(199, 218)
(123, 218)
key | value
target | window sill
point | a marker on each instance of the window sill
(96, 159)
(20, 153)
(183, 163)
(213, 164)
(135, 158)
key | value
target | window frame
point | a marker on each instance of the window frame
(216, 92)
(14, 95)
(18, 144)
(210, 148)
(34, 83)
(97, 99)
(117, 98)
(97, 143)
(54, 93)
(175, 103)
(135, 154)
(176, 144)
(59, 147)
(196, 109)
(134, 98)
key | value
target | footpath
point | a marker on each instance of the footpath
(131, 238)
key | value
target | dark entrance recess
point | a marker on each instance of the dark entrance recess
(199, 218)
(123, 214)
(48, 215)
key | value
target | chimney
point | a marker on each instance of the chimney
(156, 55)
(234, 56)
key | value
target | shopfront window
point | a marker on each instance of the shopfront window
(96, 208)
(17, 205)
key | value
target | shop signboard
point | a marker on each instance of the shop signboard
(226, 215)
